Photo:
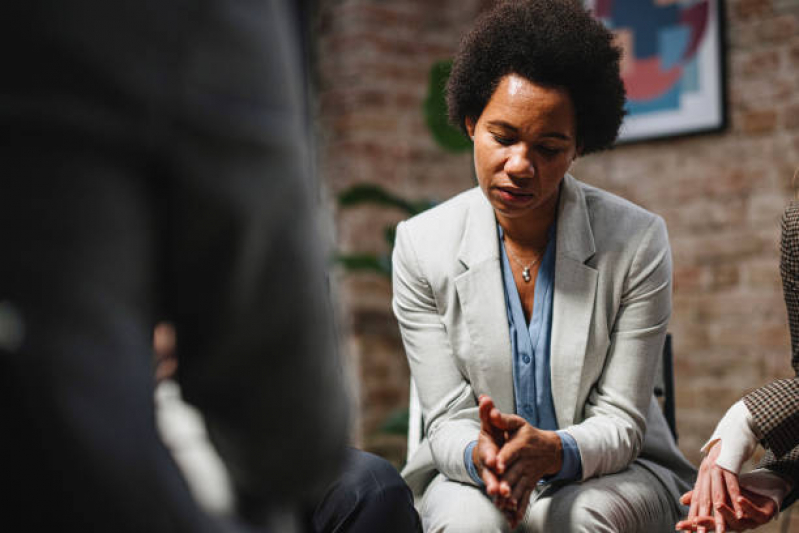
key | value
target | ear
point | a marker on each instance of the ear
(578, 151)
(470, 125)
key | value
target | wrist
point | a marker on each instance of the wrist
(555, 446)
(478, 464)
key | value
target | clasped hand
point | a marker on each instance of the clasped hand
(719, 503)
(511, 456)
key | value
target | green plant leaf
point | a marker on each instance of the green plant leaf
(390, 234)
(368, 193)
(435, 110)
(380, 264)
(396, 423)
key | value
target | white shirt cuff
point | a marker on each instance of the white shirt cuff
(738, 441)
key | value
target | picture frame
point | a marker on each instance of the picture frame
(673, 65)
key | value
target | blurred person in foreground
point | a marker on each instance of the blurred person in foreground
(722, 498)
(368, 495)
(154, 164)
(534, 308)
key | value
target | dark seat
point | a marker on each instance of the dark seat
(664, 386)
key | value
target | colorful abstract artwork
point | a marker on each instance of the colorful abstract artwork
(671, 65)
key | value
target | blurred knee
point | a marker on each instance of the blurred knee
(454, 507)
(371, 475)
(369, 495)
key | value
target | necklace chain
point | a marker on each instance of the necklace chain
(525, 269)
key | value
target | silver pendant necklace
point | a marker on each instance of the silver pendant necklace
(525, 269)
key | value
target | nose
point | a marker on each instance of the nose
(519, 163)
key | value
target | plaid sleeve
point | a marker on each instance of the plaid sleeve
(775, 413)
(775, 407)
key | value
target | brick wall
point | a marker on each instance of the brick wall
(721, 195)
(373, 65)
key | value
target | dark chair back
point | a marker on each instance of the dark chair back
(664, 386)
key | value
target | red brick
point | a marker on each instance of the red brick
(744, 9)
(760, 63)
(790, 117)
(756, 122)
(777, 29)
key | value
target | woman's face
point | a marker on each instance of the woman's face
(524, 142)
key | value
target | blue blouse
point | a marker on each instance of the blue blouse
(530, 345)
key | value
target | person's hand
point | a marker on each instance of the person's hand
(715, 489)
(528, 455)
(756, 511)
(491, 439)
(166, 362)
(489, 442)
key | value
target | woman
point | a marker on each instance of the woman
(537, 295)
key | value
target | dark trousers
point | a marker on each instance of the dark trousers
(368, 497)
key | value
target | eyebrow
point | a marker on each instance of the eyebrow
(503, 124)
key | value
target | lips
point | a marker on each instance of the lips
(512, 195)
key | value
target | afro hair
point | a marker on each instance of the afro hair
(554, 43)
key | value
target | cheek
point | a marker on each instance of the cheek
(482, 165)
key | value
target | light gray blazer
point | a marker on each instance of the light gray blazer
(612, 304)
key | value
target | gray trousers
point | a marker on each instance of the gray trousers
(632, 500)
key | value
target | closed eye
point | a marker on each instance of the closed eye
(550, 152)
(504, 141)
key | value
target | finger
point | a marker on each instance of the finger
(513, 474)
(730, 519)
(703, 509)
(520, 489)
(718, 491)
(511, 450)
(704, 494)
(506, 422)
(507, 456)
(524, 502)
(504, 488)
(756, 513)
(484, 408)
(719, 522)
(734, 491)
(704, 523)
(488, 453)
(491, 482)
(691, 524)
(685, 499)
(503, 504)
(694, 509)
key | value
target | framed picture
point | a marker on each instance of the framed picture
(672, 65)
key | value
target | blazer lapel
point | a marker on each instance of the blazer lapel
(482, 297)
(573, 304)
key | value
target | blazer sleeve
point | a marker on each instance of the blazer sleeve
(775, 407)
(447, 399)
(775, 414)
(611, 433)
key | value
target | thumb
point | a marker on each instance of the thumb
(504, 421)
